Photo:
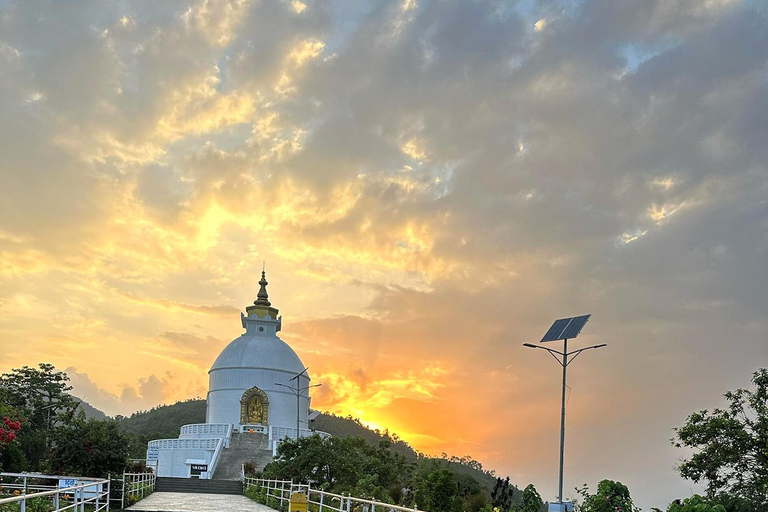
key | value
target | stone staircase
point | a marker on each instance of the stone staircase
(243, 448)
(194, 485)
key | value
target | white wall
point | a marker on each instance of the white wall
(228, 385)
(172, 462)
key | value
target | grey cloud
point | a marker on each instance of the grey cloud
(549, 146)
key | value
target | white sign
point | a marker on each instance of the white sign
(153, 453)
(89, 492)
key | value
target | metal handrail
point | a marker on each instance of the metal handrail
(73, 490)
(141, 481)
(248, 481)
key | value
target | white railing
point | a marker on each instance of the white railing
(282, 490)
(176, 444)
(277, 434)
(254, 429)
(139, 485)
(198, 430)
(214, 460)
(223, 443)
(91, 491)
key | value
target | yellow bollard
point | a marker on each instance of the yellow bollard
(298, 502)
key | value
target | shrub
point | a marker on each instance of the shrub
(249, 468)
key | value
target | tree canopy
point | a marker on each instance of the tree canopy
(610, 497)
(49, 433)
(731, 446)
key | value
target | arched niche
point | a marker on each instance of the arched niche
(254, 407)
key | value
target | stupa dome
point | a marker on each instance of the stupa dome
(248, 381)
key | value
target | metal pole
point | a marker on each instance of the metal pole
(298, 407)
(562, 423)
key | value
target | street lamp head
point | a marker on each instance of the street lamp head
(530, 345)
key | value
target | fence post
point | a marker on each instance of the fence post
(122, 494)
(321, 501)
(109, 491)
(56, 501)
(98, 495)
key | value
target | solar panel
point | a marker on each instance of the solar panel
(566, 328)
(554, 332)
(575, 327)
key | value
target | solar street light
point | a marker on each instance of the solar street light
(297, 391)
(563, 329)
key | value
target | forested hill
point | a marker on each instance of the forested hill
(164, 422)
(89, 410)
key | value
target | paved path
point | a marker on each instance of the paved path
(183, 502)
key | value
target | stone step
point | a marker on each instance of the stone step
(194, 485)
(243, 448)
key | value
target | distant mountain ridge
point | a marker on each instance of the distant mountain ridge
(164, 422)
(90, 411)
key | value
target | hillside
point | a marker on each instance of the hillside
(90, 411)
(339, 426)
(165, 421)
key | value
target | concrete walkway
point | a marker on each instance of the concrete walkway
(183, 502)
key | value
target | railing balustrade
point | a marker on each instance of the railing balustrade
(206, 429)
(138, 485)
(175, 444)
(282, 490)
(90, 491)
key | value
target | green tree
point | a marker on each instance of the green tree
(501, 495)
(36, 392)
(91, 448)
(695, 504)
(40, 397)
(441, 488)
(610, 497)
(531, 501)
(731, 446)
(342, 465)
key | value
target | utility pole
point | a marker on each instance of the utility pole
(562, 330)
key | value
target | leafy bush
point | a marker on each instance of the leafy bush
(695, 504)
(249, 468)
(610, 497)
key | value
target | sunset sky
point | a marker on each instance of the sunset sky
(430, 183)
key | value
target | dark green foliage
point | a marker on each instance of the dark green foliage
(161, 422)
(38, 397)
(531, 501)
(344, 465)
(695, 504)
(351, 465)
(89, 448)
(466, 468)
(164, 421)
(610, 497)
(731, 447)
(37, 391)
(440, 490)
(90, 411)
(502, 493)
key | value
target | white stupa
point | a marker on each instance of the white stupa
(247, 380)
(258, 395)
